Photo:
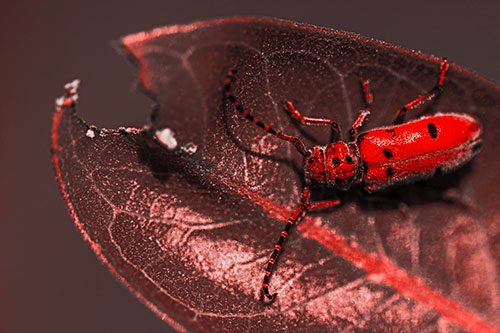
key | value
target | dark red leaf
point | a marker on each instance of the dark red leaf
(189, 229)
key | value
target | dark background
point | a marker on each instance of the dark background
(50, 281)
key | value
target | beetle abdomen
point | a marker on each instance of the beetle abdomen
(418, 149)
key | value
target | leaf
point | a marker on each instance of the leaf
(189, 228)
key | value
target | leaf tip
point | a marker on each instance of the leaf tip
(70, 96)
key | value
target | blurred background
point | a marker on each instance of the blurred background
(50, 280)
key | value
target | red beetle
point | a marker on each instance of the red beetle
(378, 158)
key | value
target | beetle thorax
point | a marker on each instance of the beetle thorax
(337, 164)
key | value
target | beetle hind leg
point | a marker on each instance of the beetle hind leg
(430, 95)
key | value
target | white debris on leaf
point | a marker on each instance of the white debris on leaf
(166, 137)
(72, 87)
(59, 101)
(131, 130)
(70, 95)
(90, 133)
(189, 148)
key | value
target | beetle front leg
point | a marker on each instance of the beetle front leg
(335, 130)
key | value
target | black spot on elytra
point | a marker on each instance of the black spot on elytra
(349, 160)
(391, 131)
(311, 160)
(477, 147)
(438, 171)
(433, 132)
(389, 172)
(388, 153)
(335, 161)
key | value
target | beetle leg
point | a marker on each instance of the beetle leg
(431, 94)
(335, 134)
(367, 96)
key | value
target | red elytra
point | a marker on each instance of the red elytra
(379, 158)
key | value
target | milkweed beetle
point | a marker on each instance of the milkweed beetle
(378, 158)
